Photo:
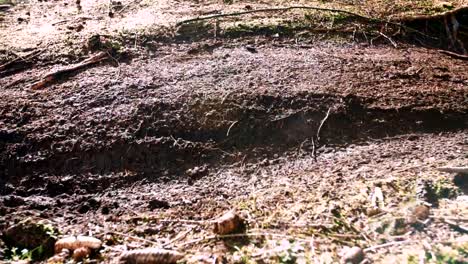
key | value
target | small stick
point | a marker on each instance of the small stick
(389, 39)
(321, 124)
(389, 244)
(463, 170)
(229, 129)
(314, 149)
(456, 226)
(449, 218)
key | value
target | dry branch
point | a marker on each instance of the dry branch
(50, 77)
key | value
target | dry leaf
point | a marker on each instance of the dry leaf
(81, 253)
(228, 223)
(73, 243)
(149, 256)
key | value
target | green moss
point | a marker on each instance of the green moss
(443, 188)
(30, 240)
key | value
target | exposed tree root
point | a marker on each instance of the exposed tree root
(450, 24)
(455, 55)
(279, 9)
(434, 16)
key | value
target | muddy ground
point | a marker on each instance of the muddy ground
(295, 131)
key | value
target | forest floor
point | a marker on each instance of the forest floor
(322, 131)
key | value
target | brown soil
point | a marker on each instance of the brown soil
(209, 125)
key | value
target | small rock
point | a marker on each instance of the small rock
(354, 255)
(156, 204)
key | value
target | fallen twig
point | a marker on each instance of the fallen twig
(449, 218)
(230, 127)
(389, 244)
(456, 226)
(50, 77)
(463, 170)
(321, 124)
(389, 39)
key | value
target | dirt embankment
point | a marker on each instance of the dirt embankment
(182, 107)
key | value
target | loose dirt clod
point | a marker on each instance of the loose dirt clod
(81, 253)
(150, 255)
(228, 223)
(73, 243)
(421, 212)
(353, 255)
